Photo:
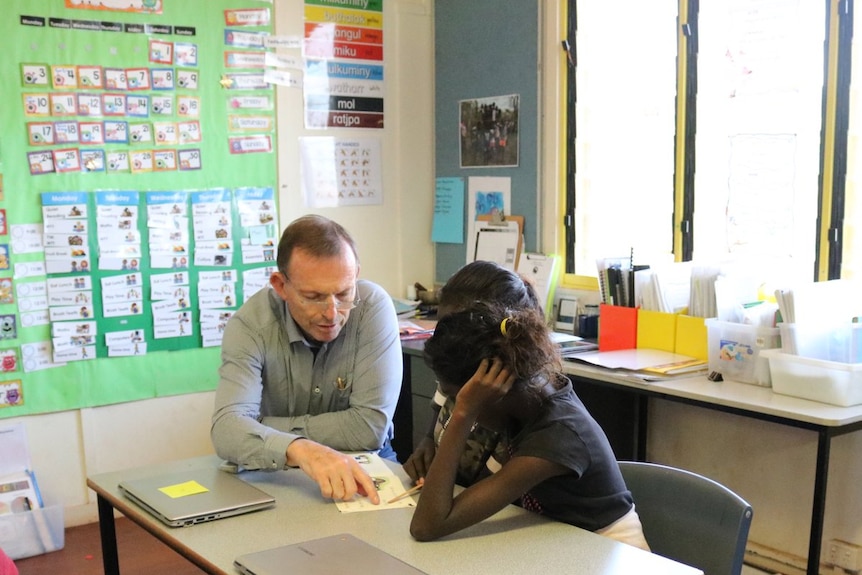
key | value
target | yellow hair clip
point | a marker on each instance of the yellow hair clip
(503, 325)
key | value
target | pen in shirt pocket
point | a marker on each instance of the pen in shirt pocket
(340, 383)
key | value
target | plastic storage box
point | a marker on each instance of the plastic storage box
(32, 532)
(840, 342)
(816, 379)
(734, 350)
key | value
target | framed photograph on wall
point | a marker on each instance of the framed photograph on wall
(488, 131)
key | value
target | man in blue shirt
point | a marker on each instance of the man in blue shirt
(311, 367)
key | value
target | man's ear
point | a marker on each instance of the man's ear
(276, 280)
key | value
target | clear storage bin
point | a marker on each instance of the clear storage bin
(734, 350)
(831, 382)
(32, 532)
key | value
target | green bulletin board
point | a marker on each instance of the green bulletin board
(124, 110)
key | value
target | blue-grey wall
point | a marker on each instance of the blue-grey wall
(487, 48)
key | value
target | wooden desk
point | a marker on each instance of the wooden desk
(752, 401)
(512, 541)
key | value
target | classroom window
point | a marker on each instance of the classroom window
(622, 127)
(735, 165)
(757, 148)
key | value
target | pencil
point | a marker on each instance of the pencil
(410, 491)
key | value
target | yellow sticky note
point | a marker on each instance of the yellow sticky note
(183, 489)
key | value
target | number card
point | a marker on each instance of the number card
(64, 77)
(91, 132)
(41, 163)
(189, 132)
(187, 79)
(66, 132)
(116, 132)
(163, 79)
(138, 106)
(166, 133)
(115, 79)
(40, 133)
(90, 77)
(34, 74)
(89, 105)
(93, 160)
(190, 159)
(142, 161)
(117, 161)
(164, 160)
(161, 52)
(67, 160)
(63, 104)
(140, 133)
(186, 54)
(138, 78)
(114, 104)
(189, 106)
(36, 105)
(162, 105)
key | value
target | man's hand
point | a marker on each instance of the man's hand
(339, 476)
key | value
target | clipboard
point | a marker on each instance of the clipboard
(499, 239)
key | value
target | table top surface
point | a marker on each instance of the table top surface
(747, 397)
(512, 541)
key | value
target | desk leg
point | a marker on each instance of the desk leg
(818, 509)
(642, 414)
(108, 533)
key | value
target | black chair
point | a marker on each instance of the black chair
(688, 517)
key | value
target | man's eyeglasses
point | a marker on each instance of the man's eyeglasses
(326, 301)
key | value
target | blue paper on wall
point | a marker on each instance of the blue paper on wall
(448, 226)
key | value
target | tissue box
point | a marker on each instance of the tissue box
(734, 350)
(816, 379)
(32, 532)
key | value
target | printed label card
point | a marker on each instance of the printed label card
(141, 133)
(190, 132)
(7, 293)
(166, 133)
(40, 163)
(37, 356)
(75, 354)
(67, 160)
(119, 338)
(69, 284)
(31, 304)
(11, 393)
(128, 349)
(8, 326)
(8, 360)
(73, 329)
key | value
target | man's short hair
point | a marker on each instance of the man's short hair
(315, 234)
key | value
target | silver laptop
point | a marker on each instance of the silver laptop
(332, 555)
(194, 496)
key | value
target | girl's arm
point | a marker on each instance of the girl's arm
(438, 513)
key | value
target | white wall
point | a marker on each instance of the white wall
(395, 250)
